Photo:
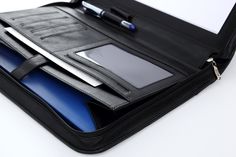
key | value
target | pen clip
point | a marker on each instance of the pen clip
(91, 9)
(91, 12)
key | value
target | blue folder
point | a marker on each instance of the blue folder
(69, 103)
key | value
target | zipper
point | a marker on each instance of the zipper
(215, 68)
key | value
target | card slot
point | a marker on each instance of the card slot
(60, 30)
(27, 24)
(63, 38)
(51, 23)
(30, 15)
(59, 33)
(44, 28)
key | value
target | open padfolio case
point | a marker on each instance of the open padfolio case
(100, 83)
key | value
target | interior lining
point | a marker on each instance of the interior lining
(59, 42)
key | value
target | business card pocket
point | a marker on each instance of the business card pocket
(52, 29)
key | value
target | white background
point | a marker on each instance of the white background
(203, 127)
(208, 14)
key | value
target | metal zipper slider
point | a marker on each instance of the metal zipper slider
(215, 68)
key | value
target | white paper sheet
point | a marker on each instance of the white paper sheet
(80, 74)
(207, 14)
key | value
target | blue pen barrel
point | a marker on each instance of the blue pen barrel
(69, 103)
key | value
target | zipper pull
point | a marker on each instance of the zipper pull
(215, 68)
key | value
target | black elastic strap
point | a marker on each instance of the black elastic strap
(28, 66)
(121, 13)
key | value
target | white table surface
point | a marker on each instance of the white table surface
(202, 127)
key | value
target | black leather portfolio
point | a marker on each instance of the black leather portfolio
(96, 72)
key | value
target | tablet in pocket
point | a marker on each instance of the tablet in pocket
(135, 70)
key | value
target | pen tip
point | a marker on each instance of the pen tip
(133, 27)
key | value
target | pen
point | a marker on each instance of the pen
(100, 13)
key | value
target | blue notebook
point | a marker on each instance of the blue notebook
(69, 103)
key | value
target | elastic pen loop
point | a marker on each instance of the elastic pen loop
(121, 13)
